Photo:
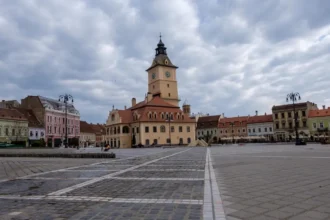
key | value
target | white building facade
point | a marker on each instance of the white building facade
(261, 126)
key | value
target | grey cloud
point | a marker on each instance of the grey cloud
(233, 56)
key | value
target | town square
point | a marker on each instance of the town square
(179, 109)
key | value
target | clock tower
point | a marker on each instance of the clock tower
(162, 76)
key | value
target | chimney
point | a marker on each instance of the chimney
(256, 113)
(149, 97)
(133, 102)
(125, 107)
(323, 106)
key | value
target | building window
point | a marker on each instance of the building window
(154, 128)
(249, 130)
(133, 130)
(125, 130)
(243, 130)
(147, 142)
(162, 128)
(304, 124)
(168, 140)
(188, 140)
(239, 131)
(290, 124)
(321, 124)
(169, 94)
(226, 131)
(211, 132)
(37, 134)
(180, 128)
(55, 130)
(162, 115)
(146, 129)
(63, 131)
(198, 133)
(282, 115)
(277, 126)
(265, 129)
(137, 130)
(172, 128)
(63, 120)
(270, 129)
(303, 113)
(7, 132)
(283, 125)
(254, 130)
(232, 131)
(289, 114)
(276, 116)
(168, 85)
(149, 115)
(314, 125)
(188, 128)
(31, 134)
(153, 86)
(220, 131)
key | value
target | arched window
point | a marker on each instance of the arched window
(150, 116)
(125, 130)
(162, 115)
(188, 140)
(118, 129)
(177, 116)
(112, 117)
(162, 128)
(155, 115)
(182, 117)
(114, 131)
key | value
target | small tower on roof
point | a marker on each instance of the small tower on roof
(186, 108)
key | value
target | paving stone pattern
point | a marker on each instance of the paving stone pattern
(149, 189)
(290, 183)
(29, 187)
(184, 197)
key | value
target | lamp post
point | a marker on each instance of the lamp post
(169, 119)
(294, 96)
(232, 131)
(66, 98)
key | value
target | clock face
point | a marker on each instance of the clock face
(167, 74)
(153, 75)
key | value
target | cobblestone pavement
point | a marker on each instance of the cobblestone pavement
(11, 168)
(175, 183)
(273, 181)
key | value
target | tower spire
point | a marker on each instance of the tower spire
(161, 49)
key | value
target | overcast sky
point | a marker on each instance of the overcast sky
(234, 57)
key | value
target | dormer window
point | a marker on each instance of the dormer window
(166, 62)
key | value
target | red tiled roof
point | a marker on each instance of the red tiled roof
(125, 115)
(11, 114)
(260, 119)
(208, 121)
(157, 106)
(319, 113)
(225, 122)
(86, 128)
(290, 106)
(99, 129)
(33, 121)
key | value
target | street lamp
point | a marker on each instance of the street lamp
(66, 98)
(169, 119)
(294, 97)
(232, 130)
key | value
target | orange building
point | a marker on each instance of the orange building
(233, 128)
(158, 119)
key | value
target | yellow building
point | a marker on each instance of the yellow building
(13, 126)
(157, 120)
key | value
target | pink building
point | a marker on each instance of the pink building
(51, 113)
